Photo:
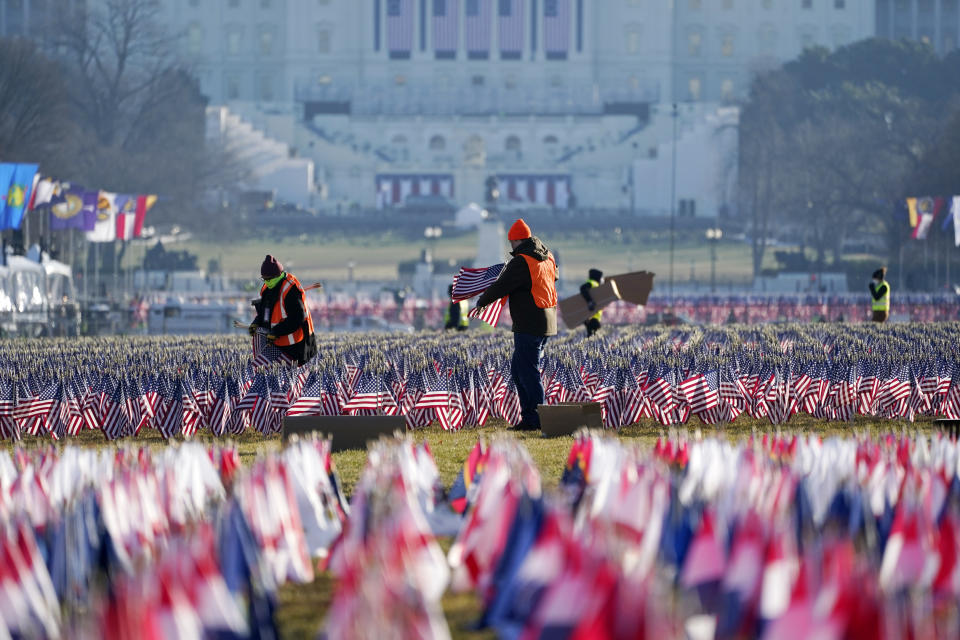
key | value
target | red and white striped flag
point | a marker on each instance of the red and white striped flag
(489, 314)
(472, 282)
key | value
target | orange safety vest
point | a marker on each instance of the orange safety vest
(543, 275)
(279, 312)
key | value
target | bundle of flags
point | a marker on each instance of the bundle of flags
(391, 572)
(923, 212)
(103, 215)
(470, 282)
(179, 542)
(779, 536)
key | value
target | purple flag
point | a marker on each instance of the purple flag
(73, 208)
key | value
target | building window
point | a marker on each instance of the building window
(694, 87)
(323, 40)
(512, 143)
(231, 87)
(438, 143)
(266, 41)
(266, 87)
(633, 40)
(839, 4)
(233, 4)
(399, 140)
(550, 140)
(194, 38)
(477, 81)
(726, 45)
(233, 41)
(806, 4)
(693, 43)
(726, 89)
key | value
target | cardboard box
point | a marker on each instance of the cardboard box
(349, 432)
(634, 287)
(565, 418)
(574, 309)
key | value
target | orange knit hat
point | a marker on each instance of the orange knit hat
(519, 231)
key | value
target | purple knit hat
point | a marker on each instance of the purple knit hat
(270, 268)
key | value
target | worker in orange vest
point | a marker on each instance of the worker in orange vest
(529, 279)
(282, 311)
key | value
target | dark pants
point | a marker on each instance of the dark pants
(525, 369)
(880, 316)
(592, 325)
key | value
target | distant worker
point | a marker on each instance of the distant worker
(530, 281)
(594, 280)
(282, 311)
(456, 314)
(880, 294)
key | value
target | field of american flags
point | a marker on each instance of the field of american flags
(305, 599)
(124, 387)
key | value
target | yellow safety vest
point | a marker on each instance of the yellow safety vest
(464, 310)
(883, 304)
(593, 285)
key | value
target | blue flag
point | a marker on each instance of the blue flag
(18, 195)
(6, 178)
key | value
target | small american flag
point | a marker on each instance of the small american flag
(471, 282)
(489, 314)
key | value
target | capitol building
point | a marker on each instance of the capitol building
(567, 102)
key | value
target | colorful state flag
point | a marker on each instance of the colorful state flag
(105, 228)
(43, 193)
(912, 211)
(955, 210)
(67, 210)
(927, 208)
(18, 195)
(6, 177)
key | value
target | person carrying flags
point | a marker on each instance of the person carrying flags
(282, 312)
(880, 295)
(456, 314)
(594, 280)
(529, 279)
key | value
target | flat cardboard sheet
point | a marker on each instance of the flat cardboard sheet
(349, 432)
(635, 286)
(565, 418)
(574, 309)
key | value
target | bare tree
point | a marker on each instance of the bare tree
(34, 114)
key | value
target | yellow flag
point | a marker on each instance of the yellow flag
(912, 208)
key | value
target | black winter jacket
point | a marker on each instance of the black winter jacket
(514, 281)
(296, 310)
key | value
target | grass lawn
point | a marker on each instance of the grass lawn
(302, 607)
(376, 258)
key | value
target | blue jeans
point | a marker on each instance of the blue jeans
(525, 369)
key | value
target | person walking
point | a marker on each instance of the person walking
(594, 280)
(880, 295)
(282, 311)
(529, 279)
(456, 314)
